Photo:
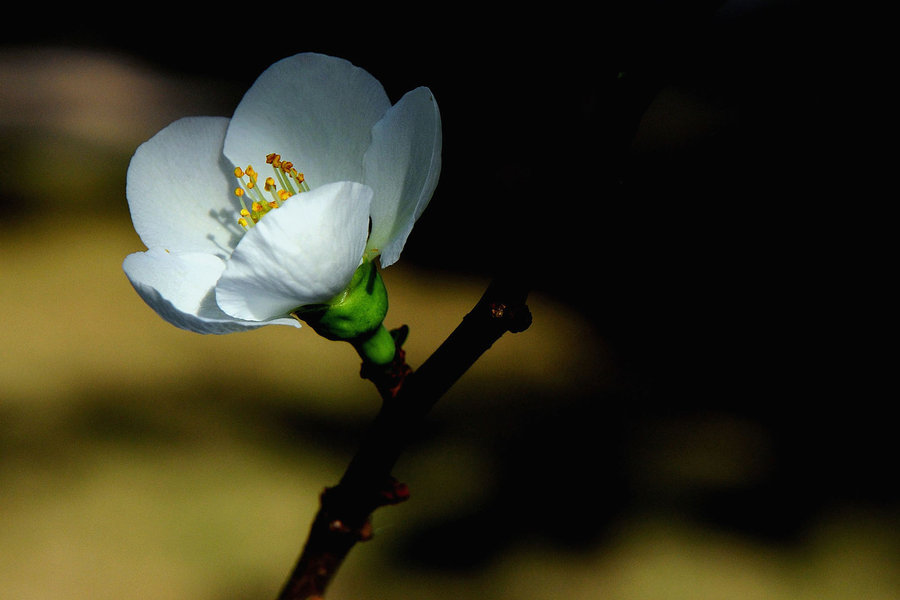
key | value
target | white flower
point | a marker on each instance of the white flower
(369, 169)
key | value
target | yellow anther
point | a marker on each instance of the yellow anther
(286, 182)
(274, 160)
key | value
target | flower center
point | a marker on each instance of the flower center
(291, 182)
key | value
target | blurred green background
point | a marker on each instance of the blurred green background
(694, 414)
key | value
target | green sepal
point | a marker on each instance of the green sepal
(356, 316)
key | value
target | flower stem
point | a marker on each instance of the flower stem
(377, 348)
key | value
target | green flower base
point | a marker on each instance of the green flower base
(356, 316)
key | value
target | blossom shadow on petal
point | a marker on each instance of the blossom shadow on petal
(229, 221)
(227, 218)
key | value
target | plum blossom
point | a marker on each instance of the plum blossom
(248, 219)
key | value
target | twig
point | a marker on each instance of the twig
(345, 510)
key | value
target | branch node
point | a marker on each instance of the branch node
(338, 526)
(366, 532)
(395, 493)
(516, 317)
(363, 533)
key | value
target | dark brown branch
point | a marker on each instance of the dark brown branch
(344, 515)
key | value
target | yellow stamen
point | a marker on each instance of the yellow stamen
(286, 176)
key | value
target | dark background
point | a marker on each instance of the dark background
(701, 181)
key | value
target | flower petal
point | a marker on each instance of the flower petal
(316, 111)
(180, 189)
(180, 288)
(304, 252)
(403, 166)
